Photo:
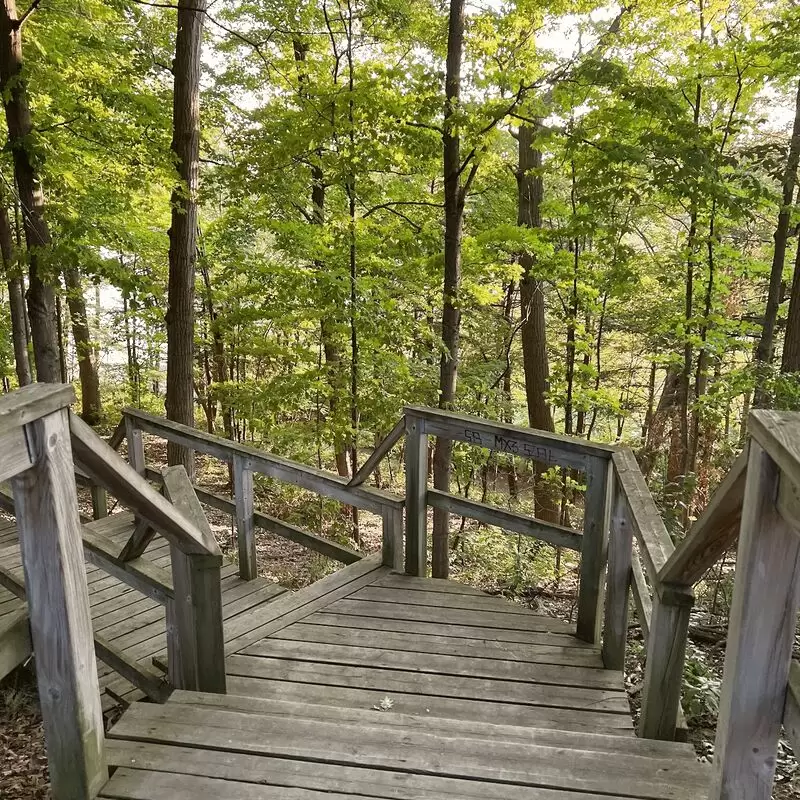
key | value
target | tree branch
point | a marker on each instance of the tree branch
(33, 6)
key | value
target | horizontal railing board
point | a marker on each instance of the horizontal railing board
(513, 439)
(310, 540)
(556, 535)
(714, 531)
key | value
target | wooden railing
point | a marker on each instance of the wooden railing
(248, 461)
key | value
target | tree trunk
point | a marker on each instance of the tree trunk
(454, 197)
(41, 294)
(179, 401)
(535, 365)
(16, 300)
(790, 361)
(766, 344)
(91, 407)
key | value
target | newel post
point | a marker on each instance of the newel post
(766, 595)
(49, 528)
(416, 497)
(594, 550)
(245, 528)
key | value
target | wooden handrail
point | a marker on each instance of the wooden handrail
(109, 470)
(379, 453)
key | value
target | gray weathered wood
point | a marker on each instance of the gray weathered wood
(195, 636)
(318, 544)
(557, 535)
(245, 529)
(379, 453)
(761, 631)
(594, 550)
(666, 650)
(791, 710)
(143, 534)
(416, 497)
(33, 402)
(641, 596)
(714, 531)
(133, 434)
(15, 640)
(615, 629)
(109, 470)
(118, 435)
(99, 501)
(777, 433)
(392, 542)
(14, 455)
(140, 675)
(58, 604)
(316, 480)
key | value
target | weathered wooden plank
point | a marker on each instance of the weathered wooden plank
(14, 455)
(409, 583)
(425, 627)
(118, 434)
(58, 606)
(761, 631)
(109, 470)
(33, 402)
(412, 642)
(195, 638)
(470, 602)
(655, 545)
(318, 544)
(15, 638)
(481, 730)
(615, 628)
(714, 531)
(416, 498)
(526, 442)
(641, 597)
(316, 480)
(379, 453)
(427, 706)
(463, 666)
(360, 781)
(245, 529)
(387, 747)
(143, 534)
(556, 535)
(392, 538)
(140, 573)
(778, 433)
(409, 681)
(140, 675)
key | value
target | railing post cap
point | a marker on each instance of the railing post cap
(33, 402)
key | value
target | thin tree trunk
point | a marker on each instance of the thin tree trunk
(16, 300)
(179, 401)
(766, 344)
(91, 407)
(790, 362)
(41, 295)
(454, 197)
(535, 365)
(508, 400)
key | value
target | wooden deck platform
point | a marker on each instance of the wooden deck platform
(372, 684)
(131, 622)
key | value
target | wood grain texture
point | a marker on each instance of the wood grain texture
(791, 711)
(245, 528)
(766, 596)
(594, 550)
(32, 402)
(392, 538)
(416, 498)
(556, 535)
(615, 627)
(58, 606)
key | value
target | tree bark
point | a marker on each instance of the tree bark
(454, 196)
(766, 344)
(41, 293)
(179, 401)
(91, 407)
(535, 364)
(790, 362)
(16, 300)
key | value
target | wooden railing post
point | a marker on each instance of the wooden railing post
(615, 628)
(593, 550)
(392, 548)
(245, 529)
(133, 435)
(416, 497)
(58, 605)
(666, 649)
(195, 639)
(760, 639)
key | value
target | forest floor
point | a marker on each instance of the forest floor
(23, 765)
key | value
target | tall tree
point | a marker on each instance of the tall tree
(179, 401)
(454, 196)
(41, 294)
(16, 300)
